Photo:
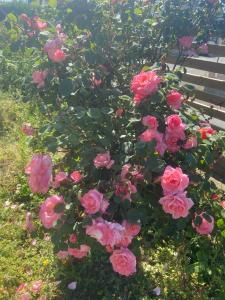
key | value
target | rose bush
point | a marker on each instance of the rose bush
(100, 75)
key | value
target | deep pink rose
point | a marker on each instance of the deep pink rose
(191, 142)
(57, 55)
(150, 121)
(174, 123)
(123, 262)
(76, 176)
(144, 84)
(38, 77)
(103, 160)
(206, 132)
(73, 238)
(205, 227)
(28, 129)
(177, 205)
(59, 178)
(47, 213)
(92, 201)
(29, 225)
(174, 181)
(174, 99)
(186, 41)
(40, 173)
(79, 253)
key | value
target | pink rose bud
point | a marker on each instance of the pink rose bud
(123, 262)
(103, 160)
(144, 84)
(28, 129)
(73, 238)
(174, 99)
(76, 176)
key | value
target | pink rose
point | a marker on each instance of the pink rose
(174, 99)
(79, 253)
(59, 178)
(150, 135)
(28, 129)
(26, 19)
(186, 41)
(73, 238)
(123, 262)
(40, 173)
(38, 77)
(22, 287)
(174, 181)
(36, 286)
(103, 160)
(125, 189)
(174, 123)
(25, 296)
(106, 233)
(144, 84)
(62, 254)
(56, 55)
(132, 229)
(29, 225)
(92, 201)
(38, 24)
(47, 213)
(76, 176)
(150, 121)
(177, 205)
(191, 142)
(206, 226)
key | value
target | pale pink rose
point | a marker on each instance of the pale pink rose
(40, 173)
(28, 129)
(73, 238)
(203, 49)
(76, 176)
(205, 227)
(174, 123)
(92, 201)
(174, 99)
(57, 55)
(123, 262)
(36, 286)
(29, 225)
(206, 132)
(103, 160)
(144, 84)
(174, 180)
(132, 229)
(106, 233)
(25, 296)
(62, 254)
(59, 178)
(38, 24)
(47, 212)
(79, 253)
(38, 77)
(191, 142)
(177, 205)
(186, 41)
(125, 189)
(119, 112)
(150, 121)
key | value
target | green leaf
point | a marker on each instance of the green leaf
(94, 113)
(11, 17)
(52, 3)
(198, 221)
(59, 208)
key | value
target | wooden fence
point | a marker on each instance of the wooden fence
(207, 74)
